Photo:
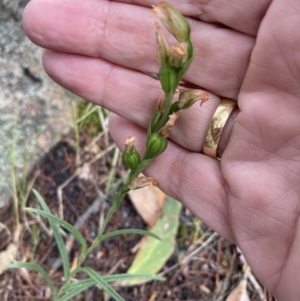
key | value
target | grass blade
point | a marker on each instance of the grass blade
(101, 282)
(102, 237)
(58, 238)
(76, 288)
(36, 267)
(63, 224)
(89, 112)
(126, 277)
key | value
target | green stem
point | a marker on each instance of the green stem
(115, 206)
(166, 113)
(157, 123)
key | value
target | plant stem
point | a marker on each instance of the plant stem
(164, 118)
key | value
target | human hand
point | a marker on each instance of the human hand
(246, 50)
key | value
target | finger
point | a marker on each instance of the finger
(244, 16)
(128, 93)
(194, 179)
(123, 34)
(275, 63)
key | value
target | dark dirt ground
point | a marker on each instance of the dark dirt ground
(209, 275)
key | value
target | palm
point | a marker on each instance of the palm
(262, 162)
(252, 196)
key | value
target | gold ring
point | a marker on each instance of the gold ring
(216, 127)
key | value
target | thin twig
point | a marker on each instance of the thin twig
(115, 267)
(74, 175)
(103, 153)
(256, 285)
(94, 140)
(186, 259)
(39, 221)
(103, 125)
(9, 234)
(227, 278)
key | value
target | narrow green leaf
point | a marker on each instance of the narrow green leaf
(36, 267)
(41, 201)
(153, 254)
(127, 277)
(88, 282)
(129, 231)
(79, 286)
(63, 224)
(100, 281)
(89, 112)
(75, 288)
(58, 238)
(102, 237)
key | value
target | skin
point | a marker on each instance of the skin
(246, 50)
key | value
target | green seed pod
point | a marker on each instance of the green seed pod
(168, 79)
(131, 160)
(156, 144)
(131, 157)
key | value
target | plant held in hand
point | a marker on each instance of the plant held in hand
(174, 62)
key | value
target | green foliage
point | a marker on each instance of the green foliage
(88, 117)
(53, 219)
(58, 238)
(71, 289)
(39, 269)
(101, 282)
(153, 253)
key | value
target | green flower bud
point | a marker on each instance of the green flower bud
(156, 144)
(173, 20)
(168, 79)
(131, 157)
(131, 160)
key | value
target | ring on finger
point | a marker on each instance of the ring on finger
(216, 127)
